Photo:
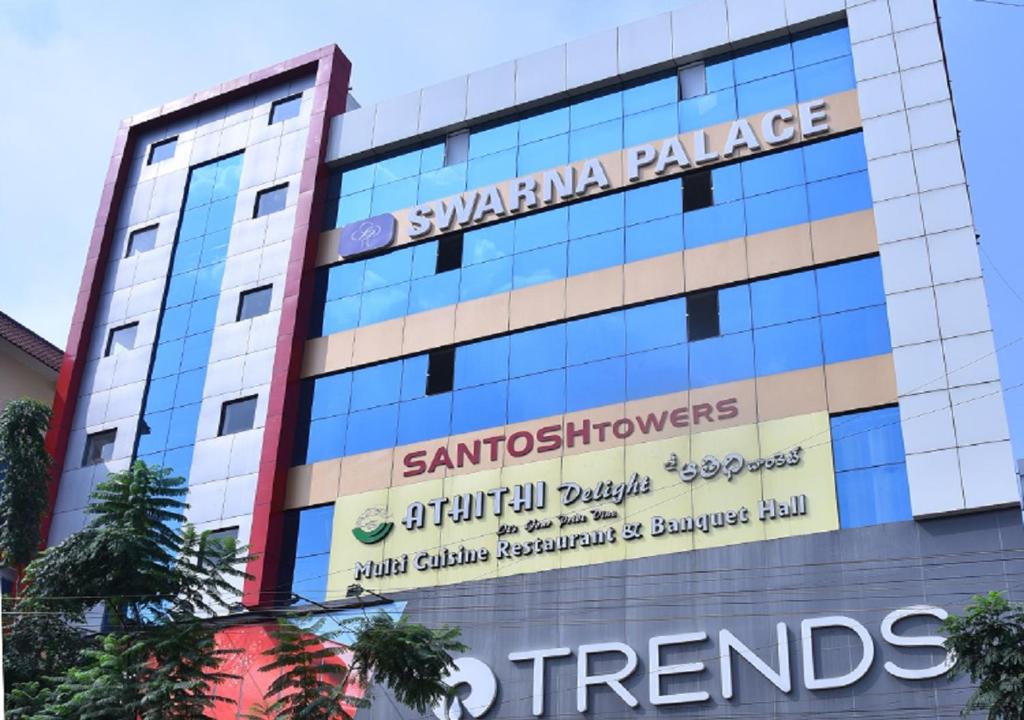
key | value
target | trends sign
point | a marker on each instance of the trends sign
(619, 664)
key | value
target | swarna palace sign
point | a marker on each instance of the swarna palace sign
(673, 155)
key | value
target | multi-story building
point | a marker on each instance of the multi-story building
(659, 361)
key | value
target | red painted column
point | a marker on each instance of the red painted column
(329, 97)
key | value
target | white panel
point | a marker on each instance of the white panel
(869, 20)
(204, 147)
(260, 164)
(927, 422)
(229, 341)
(971, 359)
(245, 453)
(168, 191)
(152, 264)
(281, 225)
(443, 104)
(934, 480)
(259, 367)
(242, 270)
(98, 375)
(224, 376)
(125, 402)
(747, 19)
(939, 166)
(397, 118)
(979, 414)
(924, 85)
(591, 59)
(908, 14)
(880, 96)
(892, 176)
(247, 235)
(64, 525)
(541, 74)
(919, 46)
(874, 58)
(210, 460)
(954, 255)
(798, 11)
(919, 368)
(886, 135)
(351, 132)
(932, 124)
(699, 26)
(91, 409)
(898, 219)
(946, 209)
(145, 297)
(645, 43)
(75, 488)
(241, 492)
(491, 90)
(912, 317)
(138, 211)
(963, 308)
(206, 501)
(263, 333)
(988, 475)
(132, 366)
(905, 265)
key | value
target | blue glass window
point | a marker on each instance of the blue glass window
(855, 334)
(867, 438)
(657, 237)
(539, 266)
(488, 243)
(832, 76)
(481, 362)
(595, 384)
(654, 124)
(850, 285)
(491, 169)
(651, 94)
(341, 314)
(655, 325)
(537, 350)
(714, 224)
(762, 63)
(786, 347)
(727, 183)
(721, 359)
(491, 140)
(543, 155)
(330, 395)
(354, 207)
(544, 125)
(873, 496)
(434, 291)
(394, 196)
(376, 385)
(596, 337)
(838, 156)
(384, 304)
(357, 179)
(654, 201)
(784, 298)
(840, 195)
(596, 252)
(775, 210)
(314, 531)
(597, 215)
(326, 439)
(596, 110)
(479, 407)
(595, 140)
(765, 94)
(440, 183)
(426, 418)
(772, 172)
(545, 228)
(707, 110)
(486, 278)
(536, 396)
(373, 429)
(657, 372)
(414, 376)
(821, 46)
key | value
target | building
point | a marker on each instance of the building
(28, 363)
(659, 361)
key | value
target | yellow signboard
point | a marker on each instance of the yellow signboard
(741, 484)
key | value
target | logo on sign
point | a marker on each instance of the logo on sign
(367, 235)
(372, 526)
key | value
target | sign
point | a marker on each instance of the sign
(637, 494)
(367, 235)
(772, 129)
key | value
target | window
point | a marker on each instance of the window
(440, 371)
(285, 108)
(702, 315)
(99, 447)
(692, 81)
(306, 552)
(162, 150)
(456, 148)
(255, 302)
(223, 535)
(449, 253)
(121, 339)
(697, 191)
(237, 415)
(141, 240)
(270, 200)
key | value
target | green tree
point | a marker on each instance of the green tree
(314, 680)
(24, 475)
(988, 643)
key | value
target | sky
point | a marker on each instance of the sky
(70, 70)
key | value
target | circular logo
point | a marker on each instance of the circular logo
(372, 525)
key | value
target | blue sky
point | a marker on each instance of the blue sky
(72, 70)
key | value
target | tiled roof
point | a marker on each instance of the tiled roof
(28, 342)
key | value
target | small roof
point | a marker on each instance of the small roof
(28, 342)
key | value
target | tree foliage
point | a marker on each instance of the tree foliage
(24, 475)
(988, 642)
(315, 680)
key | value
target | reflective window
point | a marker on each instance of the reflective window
(536, 396)
(786, 347)
(537, 350)
(594, 384)
(657, 237)
(714, 224)
(850, 285)
(871, 478)
(237, 415)
(270, 200)
(855, 334)
(784, 298)
(596, 337)
(692, 81)
(99, 447)
(285, 108)
(121, 339)
(656, 325)
(481, 362)
(479, 407)
(376, 385)
(657, 372)
(424, 418)
(596, 252)
(702, 315)
(721, 359)
(306, 548)
(141, 240)
(255, 302)
(539, 266)
(372, 429)
(162, 150)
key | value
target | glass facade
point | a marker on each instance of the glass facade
(793, 321)
(795, 69)
(870, 465)
(175, 391)
(795, 186)
(306, 552)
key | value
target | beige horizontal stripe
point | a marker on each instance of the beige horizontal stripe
(744, 258)
(840, 387)
(843, 115)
